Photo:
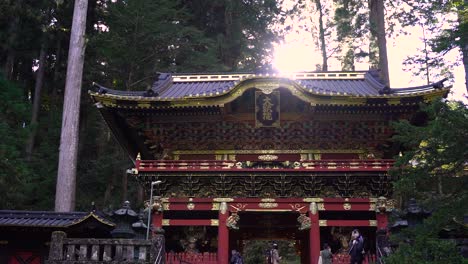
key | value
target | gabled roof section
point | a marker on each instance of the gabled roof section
(329, 88)
(48, 218)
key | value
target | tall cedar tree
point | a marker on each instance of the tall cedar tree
(68, 155)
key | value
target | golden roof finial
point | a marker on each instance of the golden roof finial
(138, 156)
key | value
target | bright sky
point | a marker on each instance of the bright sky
(298, 53)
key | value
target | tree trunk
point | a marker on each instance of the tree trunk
(66, 175)
(373, 46)
(382, 43)
(323, 45)
(37, 97)
(464, 41)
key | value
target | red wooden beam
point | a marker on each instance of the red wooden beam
(351, 223)
(347, 206)
(190, 222)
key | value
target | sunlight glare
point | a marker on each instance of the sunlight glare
(294, 57)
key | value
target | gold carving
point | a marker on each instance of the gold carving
(304, 222)
(347, 206)
(268, 157)
(214, 222)
(267, 88)
(166, 222)
(267, 200)
(372, 222)
(381, 204)
(166, 206)
(220, 200)
(190, 206)
(267, 108)
(296, 164)
(238, 207)
(372, 207)
(268, 205)
(232, 221)
(223, 208)
(313, 208)
(313, 199)
(297, 207)
(138, 157)
(321, 206)
(323, 223)
(215, 207)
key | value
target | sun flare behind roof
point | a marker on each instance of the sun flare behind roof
(295, 57)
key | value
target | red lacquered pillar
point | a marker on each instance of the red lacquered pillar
(314, 233)
(382, 220)
(223, 234)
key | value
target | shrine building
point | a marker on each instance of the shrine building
(230, 158)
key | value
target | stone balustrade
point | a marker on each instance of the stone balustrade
(65, 250)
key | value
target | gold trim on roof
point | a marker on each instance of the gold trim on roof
(243, 82)
(92, 214)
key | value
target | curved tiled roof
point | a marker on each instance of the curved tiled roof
(178, 87)
(47, 218)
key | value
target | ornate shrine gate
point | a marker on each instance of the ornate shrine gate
(307, 219)
(243, 156)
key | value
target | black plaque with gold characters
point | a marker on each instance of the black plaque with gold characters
(267, 109)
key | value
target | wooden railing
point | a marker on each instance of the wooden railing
(187, 258)
(305, 165)
(65, 250)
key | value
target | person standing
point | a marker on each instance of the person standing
(236, 257)
(326, 254)
(275, 257)
(356, 250)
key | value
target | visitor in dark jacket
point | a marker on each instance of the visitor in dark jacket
(356, 249)
(236, 257)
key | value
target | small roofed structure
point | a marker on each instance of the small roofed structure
(25, 235)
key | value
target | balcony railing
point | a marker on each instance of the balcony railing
(304, 165)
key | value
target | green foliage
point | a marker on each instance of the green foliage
(426, 250)
(432, 171)
(242, 30)
(14, 172)
(139, 38)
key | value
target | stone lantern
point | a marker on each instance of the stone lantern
(124, 218)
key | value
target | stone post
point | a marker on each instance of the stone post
(158, 247)
(56, 245)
